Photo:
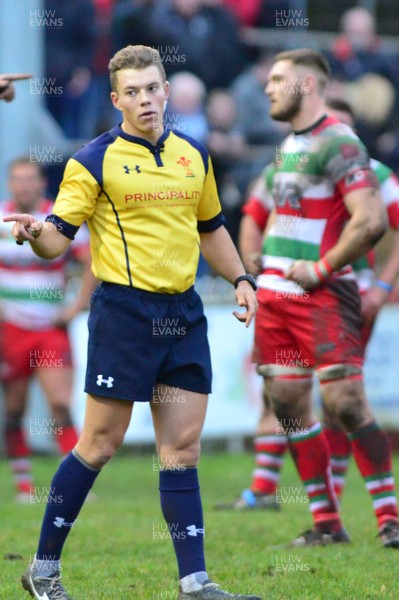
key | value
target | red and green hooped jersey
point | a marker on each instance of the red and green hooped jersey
(260, 203)
(312, 173)
(32, 289)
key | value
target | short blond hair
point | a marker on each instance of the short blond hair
(134, 57)
(308, 58)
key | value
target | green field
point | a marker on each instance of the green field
(115, 551)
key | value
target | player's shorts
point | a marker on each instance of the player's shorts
(138, 339)
(319, 329)
(22, 351)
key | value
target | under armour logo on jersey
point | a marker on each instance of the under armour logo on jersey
(108, 382)
(129, 169)
(194, 531)
(60, 522)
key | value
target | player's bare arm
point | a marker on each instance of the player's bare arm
(221, 254)
(377, 295)
(251, 240)
(88, 284)
(367, 224)
(250, 245)
(46, 241)
(390, 270)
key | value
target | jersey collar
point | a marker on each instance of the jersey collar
(314, 126)
(138, 140)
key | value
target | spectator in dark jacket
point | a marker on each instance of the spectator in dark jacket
(69, 48)
(132, 24)
(358, 50)
(201, 38)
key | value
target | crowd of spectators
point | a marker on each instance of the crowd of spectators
(217, 92)
(370, 76)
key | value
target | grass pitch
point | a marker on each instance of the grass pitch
(119, 549)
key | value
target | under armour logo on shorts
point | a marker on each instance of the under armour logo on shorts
(108, 382)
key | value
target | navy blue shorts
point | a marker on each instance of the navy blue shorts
(138, 339)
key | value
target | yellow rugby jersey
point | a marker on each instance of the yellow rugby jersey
(145, 206)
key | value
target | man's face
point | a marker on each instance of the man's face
(141, 95)
(26, 186)
(359, 28)
(285, 89)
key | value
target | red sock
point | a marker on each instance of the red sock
(66, 438)
(311, 454)
(22, 472)
(269, 452)
(15, 442)
(373, 457)
(340, 448)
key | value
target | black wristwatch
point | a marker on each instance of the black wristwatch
(248, 278)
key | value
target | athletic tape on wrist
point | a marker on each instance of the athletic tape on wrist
(383, 285)
(323, 269)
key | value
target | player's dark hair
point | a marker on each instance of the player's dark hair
(27, 160)
(341, 105)
(134, 57)
(308, 58)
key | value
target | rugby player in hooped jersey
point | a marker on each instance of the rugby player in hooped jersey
(270, 444)
(33, 319)
(132, 233)
(329, 212)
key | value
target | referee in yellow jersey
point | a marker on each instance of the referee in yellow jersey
(150, 200)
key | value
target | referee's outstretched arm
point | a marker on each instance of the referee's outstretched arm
(45, 239)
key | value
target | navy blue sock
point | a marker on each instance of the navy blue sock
(182, 509)
(69, 489)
